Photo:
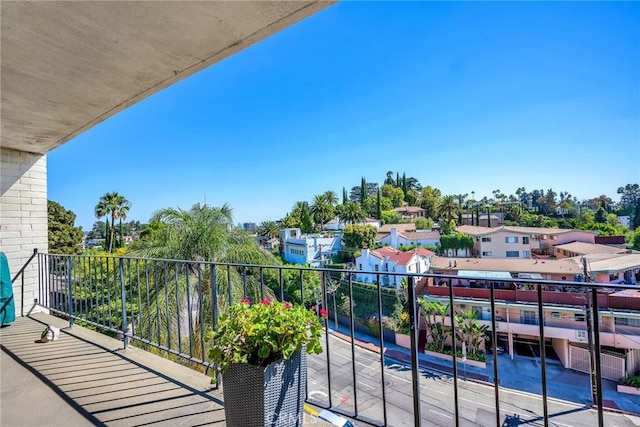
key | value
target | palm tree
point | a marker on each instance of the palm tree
(447, 206)
(351, 213)
(332, 197)
(100, 211)
(198, 235)
(268, 229)
(123, 209)
(111, 203)
(321, 209)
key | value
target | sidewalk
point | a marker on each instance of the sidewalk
(521, 373)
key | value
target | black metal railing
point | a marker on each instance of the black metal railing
(167, 306)
(20, 274)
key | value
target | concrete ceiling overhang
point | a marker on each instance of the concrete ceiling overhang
(66, 66)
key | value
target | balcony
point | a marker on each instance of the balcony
(120, 315)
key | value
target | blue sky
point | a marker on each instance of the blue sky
(463, 96)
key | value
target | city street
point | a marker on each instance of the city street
(476, 401)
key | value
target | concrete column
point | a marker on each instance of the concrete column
(23, 216)
(510, 339)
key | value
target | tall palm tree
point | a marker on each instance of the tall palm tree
(448, 206)
(321, 209)
(101, 210)
(351, 213)
(332, 197)
(110, 204)
(123, 209)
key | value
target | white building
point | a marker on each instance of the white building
(396, 238)
(371, 262)
(312, 249)
(336, 225)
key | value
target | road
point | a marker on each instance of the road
(476, 401)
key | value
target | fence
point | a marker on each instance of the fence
(168, 305)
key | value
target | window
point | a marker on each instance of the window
(487, 253)
(359, 266)
(613, 277)
(376, 267)
(526, 254)
(513, 254)
(525, 240)
(486, 239)
(624, 321)
(511, 239)
(529, 317)
(579, 317)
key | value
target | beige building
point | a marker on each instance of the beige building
(521, 242)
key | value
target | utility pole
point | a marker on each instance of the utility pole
(590, 349)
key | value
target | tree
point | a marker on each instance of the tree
(112, 204)
(635, 240)
(363, 191)
(200, 234)
(448, 206)
(394, 194)
(629, 194)
(301, 215)
(123, 210)
(404, 184)
(430, 201)
(101, 210)
(344, 195)
(601, 215)
(64, 236)
(391, 217)
(268, 229)
(423, 223)
(379, 206)
(389, 179)
(98, 231)
(412, 197)
(358, 236)
(413, 184)
(331, 197)
(351, 213)
(322, 209)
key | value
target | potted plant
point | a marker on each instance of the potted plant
(630, 384)
(261, 353)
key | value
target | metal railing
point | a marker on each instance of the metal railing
(168, 306)
(20, 274)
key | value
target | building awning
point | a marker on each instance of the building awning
(530, 276)
(485, 274)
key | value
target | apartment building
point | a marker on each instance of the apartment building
(564, 307)
(395, 238)
(521, 242)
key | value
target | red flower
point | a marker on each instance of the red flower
(287, 304)
(246, 301)
(265, 301)
(324, 313)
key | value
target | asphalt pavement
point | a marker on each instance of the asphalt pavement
(520, 375)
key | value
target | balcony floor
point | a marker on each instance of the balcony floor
(85, 378)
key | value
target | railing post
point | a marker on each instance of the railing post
(415, 374)
(598, 360)
(123, 297)
(69, 297)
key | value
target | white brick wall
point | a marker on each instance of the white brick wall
(23, 216)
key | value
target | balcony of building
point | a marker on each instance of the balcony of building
(106, 370)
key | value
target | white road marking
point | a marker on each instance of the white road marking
(441, 414)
